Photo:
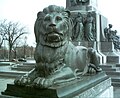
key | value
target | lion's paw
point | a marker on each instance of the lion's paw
(24, 80)
(93, 69)
(42, 82)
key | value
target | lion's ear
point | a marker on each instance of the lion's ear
(67, 13)
(40, 14)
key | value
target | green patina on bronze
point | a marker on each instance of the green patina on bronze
(57, 59)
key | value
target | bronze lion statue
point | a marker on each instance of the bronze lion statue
(57, 59)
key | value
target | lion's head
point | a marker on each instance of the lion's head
(53, 26)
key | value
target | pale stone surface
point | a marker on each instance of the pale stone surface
(108, 93)
(116, 92)
(101, 90)
(3, 83)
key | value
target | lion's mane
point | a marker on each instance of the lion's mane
(40, 30)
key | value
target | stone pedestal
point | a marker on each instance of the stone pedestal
(86, 87)
(107, 48)
(112, 57)
(21, 67)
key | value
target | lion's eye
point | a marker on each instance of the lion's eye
(58, 18)
(47, 18)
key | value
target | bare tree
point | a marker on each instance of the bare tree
(12, 32)
(2, 34)
(1, 40)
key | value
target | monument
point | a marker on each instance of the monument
(93, 28)
(62, 69)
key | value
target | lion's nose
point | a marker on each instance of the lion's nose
(52, 25)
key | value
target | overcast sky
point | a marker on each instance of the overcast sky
(24, 11)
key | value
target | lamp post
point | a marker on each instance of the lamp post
(25, 39)
(4, 46)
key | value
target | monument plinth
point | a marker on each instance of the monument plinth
(98, 85)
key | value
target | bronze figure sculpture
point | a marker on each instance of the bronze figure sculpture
(78, 29)
(90, 33)
(111, 36)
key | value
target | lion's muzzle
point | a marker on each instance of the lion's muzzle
(53, 37)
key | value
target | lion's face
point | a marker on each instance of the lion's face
(53, 29)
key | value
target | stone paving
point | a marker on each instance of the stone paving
(4, 82)
(116, 92)
(8, 69)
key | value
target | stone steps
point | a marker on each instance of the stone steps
(15, 69)
(115, 79)
(22, 67)
(112, 71)
(116, 84)
(117, 65)
(11, 74)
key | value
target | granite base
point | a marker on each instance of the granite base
(86, 87)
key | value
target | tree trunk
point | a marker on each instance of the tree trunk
(10, 52)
